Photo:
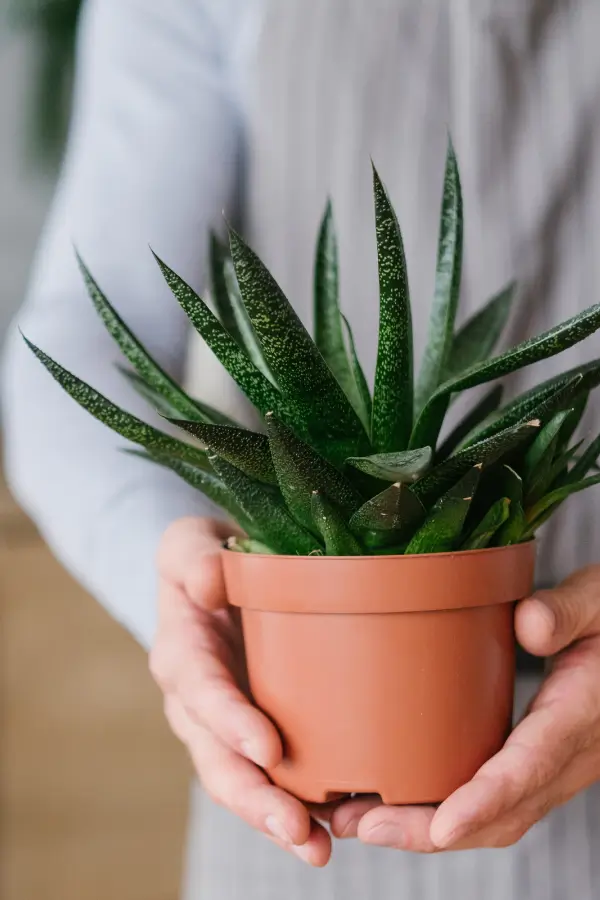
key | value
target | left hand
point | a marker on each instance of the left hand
(551, 755)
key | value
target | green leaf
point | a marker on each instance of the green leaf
(393, 393)
(511, 485)
(329, 333)
(364, 404)
(542, 404)
(247, 450)
(541, 450)
(447, 287)
(482, 409)
(293, 358)
(406, 466)
(229, 305)
(479, 335)
(266, 508)
(259, 390)
(207, 482)
(573, 420)
(486, 452)
(128, 426)
(559, 469)
(148, 369)
(537, 465)
(394, 510)
(301, 470)
(442, 528)
(166, 409)
(248, 545)
(338, 539)
(495, 517)
(558, 495)
(585, 462)
(554, 341)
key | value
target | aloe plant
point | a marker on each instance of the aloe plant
(338, 469)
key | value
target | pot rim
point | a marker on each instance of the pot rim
(380, 556)
(419, 582)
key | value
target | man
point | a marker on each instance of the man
(184, 109)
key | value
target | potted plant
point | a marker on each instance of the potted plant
(381, 565)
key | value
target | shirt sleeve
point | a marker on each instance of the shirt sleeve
(152, 158)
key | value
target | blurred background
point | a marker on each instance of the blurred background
(93, 789)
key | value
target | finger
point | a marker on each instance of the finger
(401, 827)
(190, 558)
(346, 817)
(192, 660)
(537, 752)
(552, 619)
(208, 691)
(236, 784)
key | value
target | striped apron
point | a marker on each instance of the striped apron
(326, 85)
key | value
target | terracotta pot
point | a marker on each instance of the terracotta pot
(391, 675)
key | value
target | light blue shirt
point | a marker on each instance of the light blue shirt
(153, 157)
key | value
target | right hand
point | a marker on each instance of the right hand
(198, 662)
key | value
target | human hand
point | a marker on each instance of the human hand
(551, 755)
(198, 662)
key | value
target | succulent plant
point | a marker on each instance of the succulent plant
(337, 469)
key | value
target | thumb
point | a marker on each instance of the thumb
(189, 558)
(550, 620)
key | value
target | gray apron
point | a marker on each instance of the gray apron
(330, 83)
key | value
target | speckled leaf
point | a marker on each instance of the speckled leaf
(293, 358)
(230, 307)
(364, 406)
(330, 521)
(301, 470)
(542, 404)
(405, 466)
(488, 404)
(512, 530)
(393, 393)
(485, 452)
(443, 526)
(266, 508)
(128, 426)
(559, 338)
(495, 517)
(329, 332)
(248, 450)
(447, 286)
(557, 496)
(140, 359)
(162, 405)
(259, 390)
(208, 483)
(479, 335)
(395, 509)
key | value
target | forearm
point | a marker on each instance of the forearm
(146, 162)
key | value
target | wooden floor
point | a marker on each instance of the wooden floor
(93, 789)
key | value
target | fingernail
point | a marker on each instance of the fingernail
(385, 835)
(350, 828)
(278, 829)
(546, 613)
(252, 752)
(302, 851)
(451, 837)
